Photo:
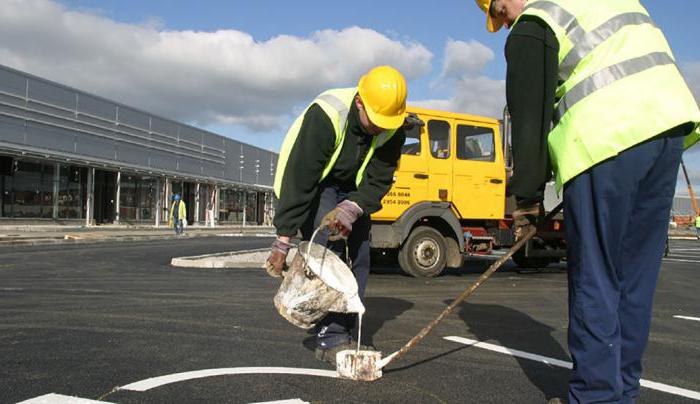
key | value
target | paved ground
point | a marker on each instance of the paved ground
(81, 320)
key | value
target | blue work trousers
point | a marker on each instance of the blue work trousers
(616, 217)
(335, 329)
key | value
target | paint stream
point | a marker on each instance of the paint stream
(359, 332)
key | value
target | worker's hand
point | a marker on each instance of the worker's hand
(412, 120)
(276, 263)
(339, 221)
(525, 218)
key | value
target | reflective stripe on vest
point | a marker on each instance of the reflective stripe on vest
(336, 104)
(619, 85)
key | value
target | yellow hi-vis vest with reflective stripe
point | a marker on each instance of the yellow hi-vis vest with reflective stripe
(618, 82)
(336, 104)
(697, 222)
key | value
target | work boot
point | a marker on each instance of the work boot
(556, 400)
(328, 355)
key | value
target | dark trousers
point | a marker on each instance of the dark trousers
(616, 224)
(335, 329)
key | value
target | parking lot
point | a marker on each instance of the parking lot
(117, 323)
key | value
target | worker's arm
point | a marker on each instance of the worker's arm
(531, 79)
(379, 175)
(309, 155)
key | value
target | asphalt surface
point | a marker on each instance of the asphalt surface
(83, 320)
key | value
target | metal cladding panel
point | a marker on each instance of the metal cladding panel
(132, 154)
(52, 94)
(12, 100)
(13, 82)
(190, 165)
(134, 118)
(232, 170)
(50, 137)
(251, 160)
(191, 135)
(212, 141)
(212, 169)
(165, 129)
(95, 126)
(163, 160)
(97, 107)
(51, 112)
(11, 130)
(94, 146)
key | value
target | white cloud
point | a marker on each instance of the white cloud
(470, 91)
(224, 76)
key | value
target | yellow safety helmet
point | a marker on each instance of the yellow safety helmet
(383, 93)
(491, 24)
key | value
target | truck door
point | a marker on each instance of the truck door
(439, 162)
(479, 173)
(410, 178)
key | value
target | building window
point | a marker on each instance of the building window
(231, 206)
(137, 198)
(475, 143)
(439, 136)
(251, 208)
(72, 185)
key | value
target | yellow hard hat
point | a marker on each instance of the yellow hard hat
(491, 24)
(383, 92)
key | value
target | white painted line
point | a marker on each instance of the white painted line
(685, 249)
(568, 365)
(154, 382)
(680, 260)
(54, 398)
(292, 401)
(688, 318)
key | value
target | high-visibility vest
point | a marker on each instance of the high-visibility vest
(697, 221)
(181, 211)
(336, 104)
(618, 82)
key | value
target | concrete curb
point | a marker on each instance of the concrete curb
(63, 240)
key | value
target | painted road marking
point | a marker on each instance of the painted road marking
(568, 365)
(54, 398)
(680, 260)
(154, 382)
(292, 401)
(688, 318)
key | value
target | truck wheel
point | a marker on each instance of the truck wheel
(530, 262)
(424, 254)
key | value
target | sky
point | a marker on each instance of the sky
(245, 69)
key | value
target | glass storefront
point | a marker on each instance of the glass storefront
(137, 198)
(251, 208)
(231, 205)
(43, 190)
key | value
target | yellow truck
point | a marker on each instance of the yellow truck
(449, 198)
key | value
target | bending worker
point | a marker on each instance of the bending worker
(601, 75)
(336, 164)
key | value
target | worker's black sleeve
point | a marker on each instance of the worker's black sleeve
(379, 174)
(309, 155)
(532, 55)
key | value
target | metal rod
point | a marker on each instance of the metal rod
(468, 292)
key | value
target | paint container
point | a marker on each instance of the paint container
(359, 365)
(318, 282)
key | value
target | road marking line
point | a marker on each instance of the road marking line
(154, 382)
(568, 365)
(54, 398)
(688, 318)
(685, 249)
(680, 260)
(292, 401)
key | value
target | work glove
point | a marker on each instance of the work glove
(339, 221)
(277, 261)
(412, 120)
(525, 219)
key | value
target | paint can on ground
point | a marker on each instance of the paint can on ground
(359, 365)
(317, 282)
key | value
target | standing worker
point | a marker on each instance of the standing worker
(602, 77)
(336, 164)
(697, 225)
(178, 213)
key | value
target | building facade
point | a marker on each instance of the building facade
(67, 156)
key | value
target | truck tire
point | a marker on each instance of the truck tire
(530, 262)
(424, 254)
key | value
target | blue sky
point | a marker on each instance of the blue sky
(244, 69)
